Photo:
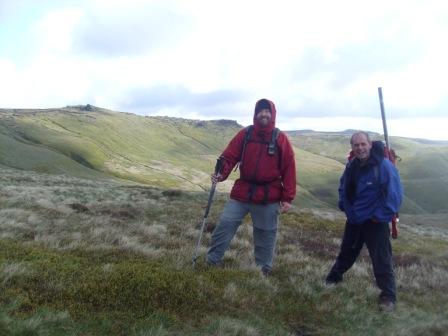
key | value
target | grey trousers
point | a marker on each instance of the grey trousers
(265, 221)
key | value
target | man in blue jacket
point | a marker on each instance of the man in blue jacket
(370, 193)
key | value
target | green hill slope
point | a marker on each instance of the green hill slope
(423, 165)
(18, 152)
(159, 151)
(92, 142)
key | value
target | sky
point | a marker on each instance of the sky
(320, 62)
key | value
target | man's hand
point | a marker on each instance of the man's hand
(284, 207)
(216, 178)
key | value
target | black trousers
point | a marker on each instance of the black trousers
(376, 237)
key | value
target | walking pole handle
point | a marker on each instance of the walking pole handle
(218, 165)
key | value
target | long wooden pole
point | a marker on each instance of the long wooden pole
(386, 138)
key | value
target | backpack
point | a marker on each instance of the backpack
(388, 153)
(272, 150)
(272, 145)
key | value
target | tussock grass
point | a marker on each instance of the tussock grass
(9, 271)
(42, 323)
(227, 326)
(83, 257)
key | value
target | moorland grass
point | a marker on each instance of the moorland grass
(84, 257)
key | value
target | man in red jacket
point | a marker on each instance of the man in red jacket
(266, 187)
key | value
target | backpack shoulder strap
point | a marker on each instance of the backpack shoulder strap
(249, 131)
(272, 148)
(247, 136)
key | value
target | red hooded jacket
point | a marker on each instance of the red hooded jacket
(263, 178)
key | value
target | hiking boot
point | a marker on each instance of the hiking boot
(214, 265)
(332, 280)
(330, 284)
(265, 272)
(386, 305)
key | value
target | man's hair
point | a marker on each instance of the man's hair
(360, 133)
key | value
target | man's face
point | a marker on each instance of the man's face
(361, 147)
(264, 117)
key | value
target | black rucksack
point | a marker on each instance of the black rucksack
(272, 145)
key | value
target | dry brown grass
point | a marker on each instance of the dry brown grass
(94, 218)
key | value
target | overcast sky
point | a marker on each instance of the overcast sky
(321, 62)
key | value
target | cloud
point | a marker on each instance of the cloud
(127, 29)
(355, 61)
(205, 60)
(7, 8)
(163, 97)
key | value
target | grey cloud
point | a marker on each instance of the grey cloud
(131, 32)
(364, 106)
(12, 11)
(308, 66)
(9, 8)
(156, 97)
(354, 61)
(226, 104)
(316, 108)
(17, 10)
(207, 104)
(357, 61)
(351, 63)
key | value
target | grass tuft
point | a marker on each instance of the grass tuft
(124, 267)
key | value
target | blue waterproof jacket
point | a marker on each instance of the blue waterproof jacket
(372, 191)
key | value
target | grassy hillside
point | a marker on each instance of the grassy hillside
(319, 175)
(85, 257)
(158, 151)
(423, 165)
(146, 150)
(91, 142)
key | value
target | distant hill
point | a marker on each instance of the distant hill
(92, 142)
(423, 165)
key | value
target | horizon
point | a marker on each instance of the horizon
(321, 63)
(245, 122)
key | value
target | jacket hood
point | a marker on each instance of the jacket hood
(271, 125)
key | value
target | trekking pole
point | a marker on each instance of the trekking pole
(386, 138)
(207, 210)
(383, 116)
